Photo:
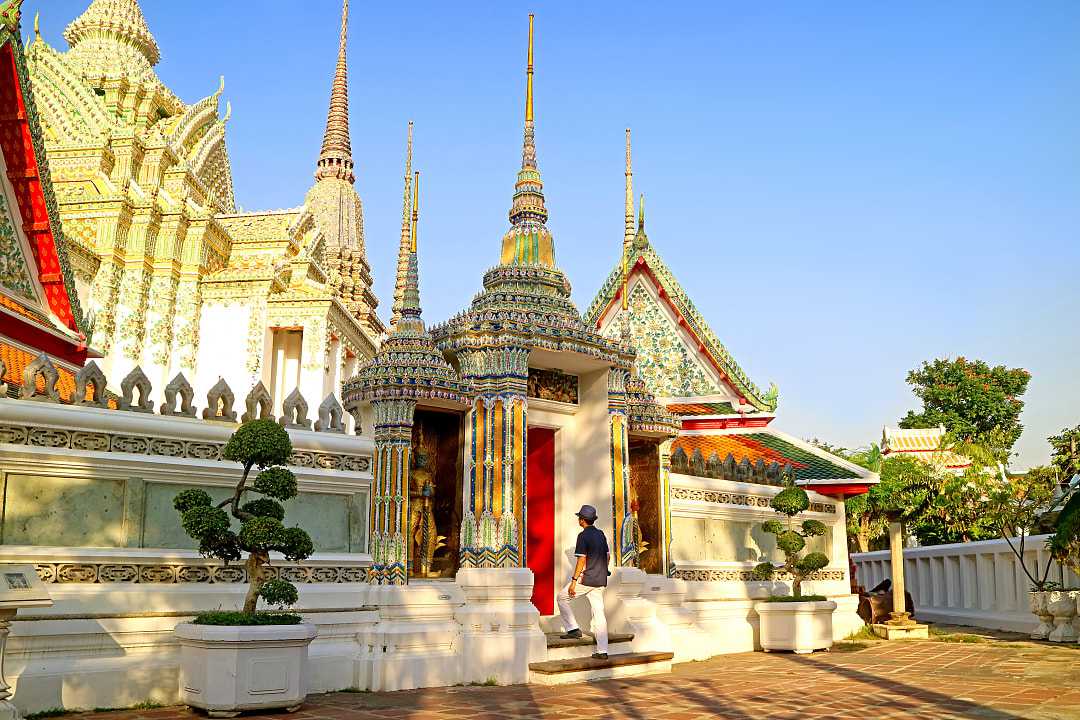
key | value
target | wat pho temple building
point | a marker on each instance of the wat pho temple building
(143, 316)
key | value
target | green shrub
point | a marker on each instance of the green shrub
(265, 445)
(791, 541)
(232, 617)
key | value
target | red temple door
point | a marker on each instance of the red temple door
(540, 533)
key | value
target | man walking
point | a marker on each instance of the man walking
(589, 580)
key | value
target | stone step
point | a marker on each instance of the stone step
(558, 672)
(566, 649)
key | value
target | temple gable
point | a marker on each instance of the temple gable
(670, 366)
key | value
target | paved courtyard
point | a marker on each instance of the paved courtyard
(864, 681)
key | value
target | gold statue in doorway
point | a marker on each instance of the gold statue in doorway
(424, 533)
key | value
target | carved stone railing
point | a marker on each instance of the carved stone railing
(976, 583)
(136, 390)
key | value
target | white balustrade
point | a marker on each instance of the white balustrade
(976, 583)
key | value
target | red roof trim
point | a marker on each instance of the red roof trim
(32, 335)
(840, 491)
(24, 174)
(725, 423)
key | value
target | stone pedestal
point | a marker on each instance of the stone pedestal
(500, 625)
(415, 642)
(909, 631)
(900, 625)
(629, 612)
(669, 597)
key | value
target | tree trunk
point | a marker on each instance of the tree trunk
(255, 581)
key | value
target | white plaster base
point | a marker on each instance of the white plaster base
(415, 642)
(799, 626)
(915, 631)
(224, 670)
(628, 612)
(500, 625)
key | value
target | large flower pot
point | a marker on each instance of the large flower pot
(800, 626)
(1062, 605)
(226, 669)
(1038, 609)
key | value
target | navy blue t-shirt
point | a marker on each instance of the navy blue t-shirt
(592, 544)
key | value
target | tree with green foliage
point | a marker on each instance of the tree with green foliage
(791, 540)
(1013, 506)
(1066, 452)
(973, 401)
(265, 445)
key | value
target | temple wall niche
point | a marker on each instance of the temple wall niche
(439, 436)
(645, 479)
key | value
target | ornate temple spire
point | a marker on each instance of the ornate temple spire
(528, 242)
(628, 232)
(410, 298)
(335, 159)
(112, 21)
(406, 235)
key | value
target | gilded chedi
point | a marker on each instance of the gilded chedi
(164, 263)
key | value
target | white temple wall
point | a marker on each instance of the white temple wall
(223, 347)
(582, 463)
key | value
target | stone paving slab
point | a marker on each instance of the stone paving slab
(871, 681)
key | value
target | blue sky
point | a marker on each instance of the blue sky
(845, 189)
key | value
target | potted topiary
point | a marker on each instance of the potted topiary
(247, 659)
(798, 622)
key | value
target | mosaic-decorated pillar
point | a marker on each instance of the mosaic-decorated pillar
(665, 509)
(390, 491)
(627, 533)
(495, 516)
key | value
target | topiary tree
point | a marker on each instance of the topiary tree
(265, 445)
(791, 540)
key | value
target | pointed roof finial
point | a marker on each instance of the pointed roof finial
(528, 242)
(228, 111)
(410, 306)
(37, 25)
(406, 235)
(529, 75)
(641, 213)
(335, 159)
(628, 230)
(415, 208)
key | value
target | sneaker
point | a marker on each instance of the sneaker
(599, 656)
(572, 635)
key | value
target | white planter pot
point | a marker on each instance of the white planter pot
(1062, 605)
(1038, 609)
(226, 669)
(800, 626)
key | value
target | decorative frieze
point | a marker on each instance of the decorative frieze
(162, 446)
(722, 497)
(121, 572)
(714, 575)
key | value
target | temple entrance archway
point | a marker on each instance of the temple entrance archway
(540, 530)
(435, 493)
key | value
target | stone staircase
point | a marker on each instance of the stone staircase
(570, 660)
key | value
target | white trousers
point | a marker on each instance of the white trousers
(596, 601)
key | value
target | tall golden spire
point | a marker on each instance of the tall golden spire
(335, 160)
(415, 208)
(529, 76)
(628, 231)
(528, 241)
(406, 235)
(410, 321)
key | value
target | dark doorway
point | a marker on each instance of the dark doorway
(435, 493)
